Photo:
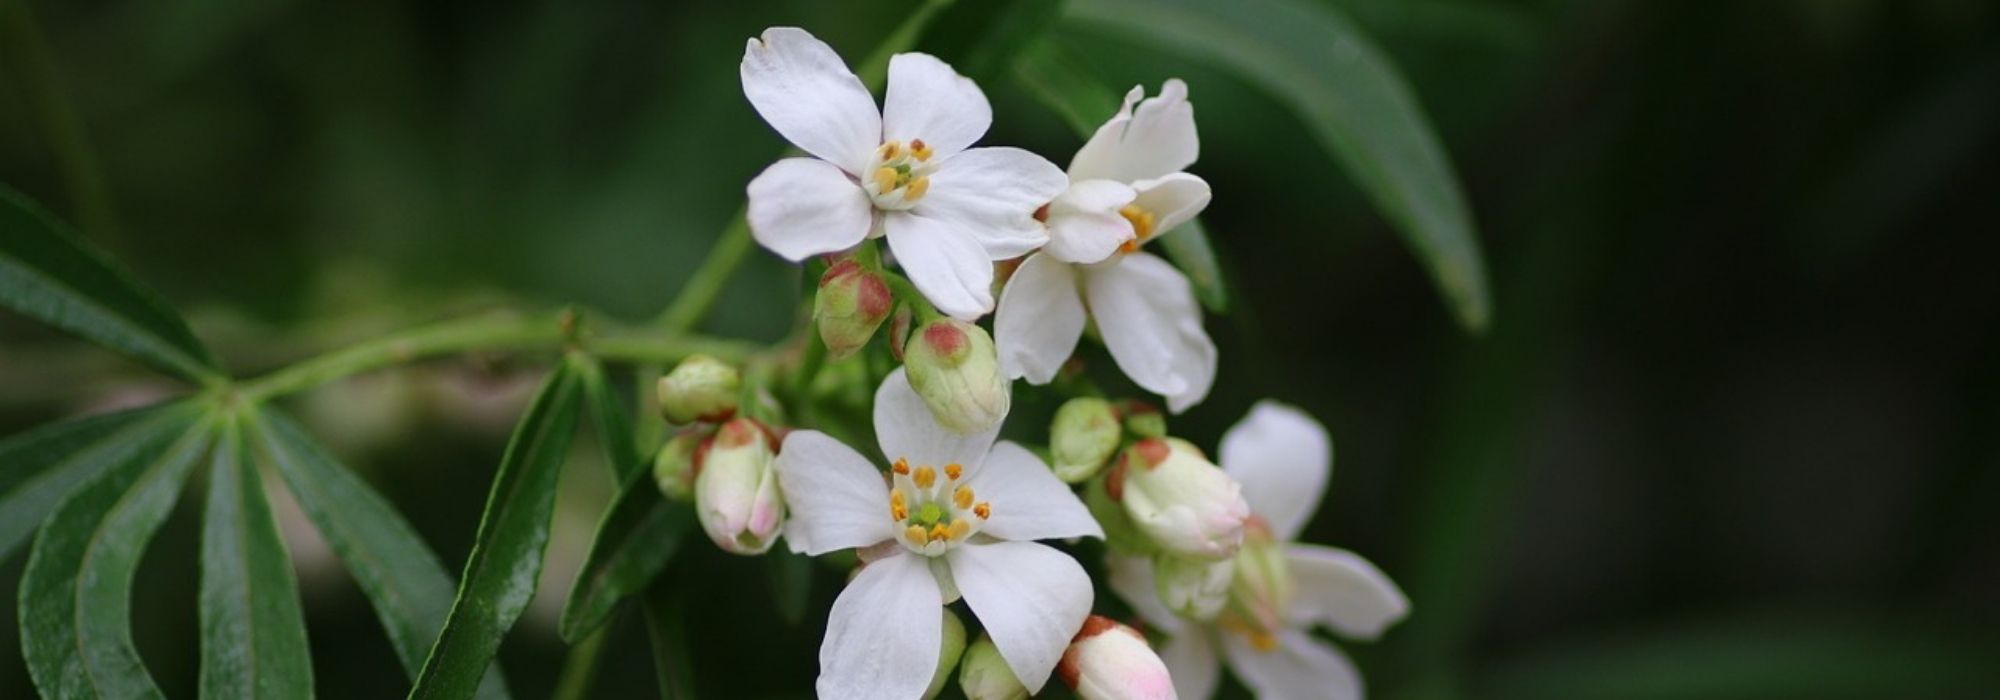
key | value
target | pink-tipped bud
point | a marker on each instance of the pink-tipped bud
(852, 302)
(955, 369)
(736, 489)
(701, 388)
(1185, 504)
(1110, 661)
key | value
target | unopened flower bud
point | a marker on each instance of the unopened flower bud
(899, 330)
(1184, 503)
(951, 644)
(1261, 587)
(953, 366)
(736, 489)
(1143, 419)
(852, 302)
(700, 388)
(984, 675)
(1084, 435)
(1110, 661)
(1192, 588)
(673, 467)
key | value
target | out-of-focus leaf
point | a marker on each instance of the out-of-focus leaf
(38, 468)
(638, 536)
(1063, 83)
(253, 637)
(666, 628)
(76, 597)
(791, 583)
(48, 273)
(506, 560)
(1349, 94)
(402, 578)
(1005, 30)
(608, 417)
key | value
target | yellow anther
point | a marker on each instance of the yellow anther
(902, 466)
(953, 471)
(915, 534)
(898, 509)
(940, 533)
(916, 189)
(924, 477)
(919, 149)
(1142, 226)
(885, 179)
(891, 149)
(962, 497)
(959, 529)
(1264, 641)
(984, 510)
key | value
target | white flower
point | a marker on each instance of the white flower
(1126, 188)
(956, 515)
(905, 171)
(1283, 458)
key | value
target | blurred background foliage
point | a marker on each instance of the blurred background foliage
(1734, 430)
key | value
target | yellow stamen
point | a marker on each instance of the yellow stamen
(898, 509)
(919, 149)
(915, 534)
(1264, 641)
(983, 510)
(885, 179)
(952, 471)
(1142, 226)
(902, 466)
(959, 529)
(916, 189)
(962, 497)
(890, 149)
(940, 533)
(924, 477)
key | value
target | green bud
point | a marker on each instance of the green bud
(700, 388)
(852, 302)
(955, 369)
(1143, 419)
(984, 675)
(1121, 535)
(1084, 435)
(951, 646)
(673, 467)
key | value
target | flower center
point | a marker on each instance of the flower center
(900, 174)
(935, 514)
(1142, 226)
(1261, 590)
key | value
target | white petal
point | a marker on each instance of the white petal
(1147, 313)
(1131, 577)
(837, 498)
(906, 430)
(1151, 141)
(930, 101)
(883, 633)
(1282, 458)
(1301, 668)
(801, 207)
(807, 93)
(1029, 502)
(1172, 199)
(1084, 224)
(1340, 589)
(1031, 598)
(945, 261)
(1192, 660)
(1040, 319)
(993, 193)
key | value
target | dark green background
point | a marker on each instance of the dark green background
(1734, 431)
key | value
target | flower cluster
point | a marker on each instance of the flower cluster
(944, 511)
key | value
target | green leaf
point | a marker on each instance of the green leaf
(48, 273)
(506, 560)
(608, 418)
(1065, 84)
(40, 467)
(791, 578)
(1348, 92)
(76, 596)
(666, 628)
(403, 579)
(253, 636)
(640, 533)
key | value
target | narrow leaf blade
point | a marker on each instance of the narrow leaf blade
(253, 635)
(400, 575)
(640, 533)
(609, 419)
(46, 272)
(40, 467)
(506, 560)
(76, 596)
(1348, 92)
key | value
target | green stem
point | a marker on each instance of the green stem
(698, 294)
(875, 70)
(579, 671)
(22, 46)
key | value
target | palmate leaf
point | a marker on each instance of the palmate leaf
(400, 575)
(76, 596)
(253, 636)
(38, 468)
(1351, 97)
(506, 560)
(48, 273)
(640, 533)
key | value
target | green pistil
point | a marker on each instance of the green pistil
(929, 514)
